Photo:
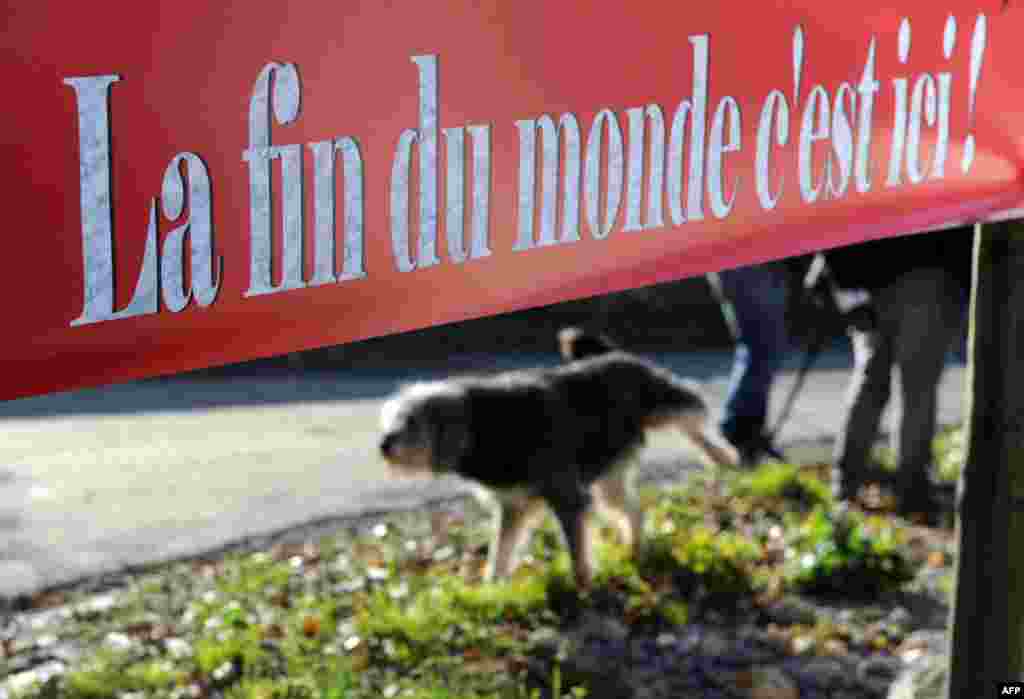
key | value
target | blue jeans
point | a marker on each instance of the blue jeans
(758, 295)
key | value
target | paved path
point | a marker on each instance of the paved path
(96, 480)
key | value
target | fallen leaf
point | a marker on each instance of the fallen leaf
(369, 554)
(139, 630)
(308, 553)
(909, 656)
(311, 626)
(196, 685)
(512, 631)
(772, 593)
(378, 572)
(360, 657)
(281, 598)
(801, 644)
(517, 663)
(160, 632)
(439, 522)
(47, 600)
(486, 666)
(872, 497)
(744, 679)
(443, 554)
(416, 566)
(836, 647)
(775, 693)
(311, 553)
(272, 631)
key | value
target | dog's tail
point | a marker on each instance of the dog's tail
(575, 344)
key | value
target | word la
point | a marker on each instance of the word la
(92, 95)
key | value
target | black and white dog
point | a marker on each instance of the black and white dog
(556, 437)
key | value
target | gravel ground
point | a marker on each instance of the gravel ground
(749, 653)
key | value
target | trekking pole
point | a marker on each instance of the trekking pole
(811, 354)
(817, 284)
(728, 313)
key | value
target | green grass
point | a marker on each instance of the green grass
(398, 610)
(782, 484)
(848, 556)
(948, 449)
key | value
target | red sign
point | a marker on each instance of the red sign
(196, 183)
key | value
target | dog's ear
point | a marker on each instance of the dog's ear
(451, 434)
(575, 343)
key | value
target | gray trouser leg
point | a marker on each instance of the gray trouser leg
(867, 395)
(928, 310)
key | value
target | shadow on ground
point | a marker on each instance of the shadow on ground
(363, 379)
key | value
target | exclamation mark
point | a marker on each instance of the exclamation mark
(978, 42)
(949, 37)
(798, 61)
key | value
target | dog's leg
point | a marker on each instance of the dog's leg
(512, 526)
(617, 494)
(713, 446)
(571, 507)
(528, 516)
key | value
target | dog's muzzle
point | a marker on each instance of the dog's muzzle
(387, 446)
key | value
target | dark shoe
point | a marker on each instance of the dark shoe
(771, 451)
(757, 449)
(846, 490)
(847, 483)
(926, 504)
(746, 435)
(846, 486)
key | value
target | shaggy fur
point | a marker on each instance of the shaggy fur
(555, 437)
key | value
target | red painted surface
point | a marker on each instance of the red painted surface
(187, 72)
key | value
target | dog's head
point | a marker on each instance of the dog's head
(576, 343)
(424, 428)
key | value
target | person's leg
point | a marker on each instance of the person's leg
(758, 297)
(929, 327)
(867, 395)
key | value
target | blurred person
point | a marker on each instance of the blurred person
(917, 287)
(757, 301)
